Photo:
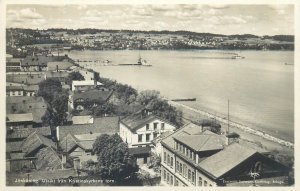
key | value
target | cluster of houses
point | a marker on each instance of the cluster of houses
(191, 155)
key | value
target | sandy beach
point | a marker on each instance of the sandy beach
(247, 136)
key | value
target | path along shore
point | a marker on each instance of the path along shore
(236, 125)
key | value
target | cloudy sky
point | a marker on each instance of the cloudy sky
(222, 19)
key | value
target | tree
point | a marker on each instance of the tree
(75, 76)
(146, 96)
(114, 160)
(48, 88)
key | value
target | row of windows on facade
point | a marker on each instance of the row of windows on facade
(182, 170)
(140, 137)
(186, 151)
(155, 125)
(169, 179)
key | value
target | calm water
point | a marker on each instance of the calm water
(260, 87)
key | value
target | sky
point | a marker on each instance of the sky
(217, 18)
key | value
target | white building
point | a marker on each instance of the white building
(141, 128)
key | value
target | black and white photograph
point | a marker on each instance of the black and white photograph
(185, 94)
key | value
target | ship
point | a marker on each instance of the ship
(237, 57)
(140, 62)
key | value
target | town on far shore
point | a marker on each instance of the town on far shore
(66, 125)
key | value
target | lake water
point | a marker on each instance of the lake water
(260, 87)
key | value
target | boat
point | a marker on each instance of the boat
(140, 62)
(237, 57)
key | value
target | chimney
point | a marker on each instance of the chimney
(232, 138)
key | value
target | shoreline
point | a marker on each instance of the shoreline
(237, 125)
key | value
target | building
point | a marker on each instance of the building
(59, 66)
(82, 100)
(39, 62)
(83, 85)
(22, 90)
(76, 141)
(33, 78)
(192, 157)
(27, 104)
(13, 65)
(141, 128)
(23, 120)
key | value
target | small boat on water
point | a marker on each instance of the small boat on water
(237, 57)
(140, 62)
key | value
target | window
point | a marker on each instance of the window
(188, 152)
(171, 180)
(210, 185)
(189, 174)
(205, 183)
(162, 126)
(155, 126)
(168, 177)
(193, 177)
(171, 162)
(194, 157)
(164, 175)
(184, 170)
(180, 147)
(165, 156)
(140, 139)
(147, 126)
(177, 145)
(191, 155)
(177, 166)
(176, 182)
(200, 181)
(154, 135)
(168, 160)
(180, 170)
(147, 137)
(184, 150)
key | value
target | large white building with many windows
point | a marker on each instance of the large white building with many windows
(192, 157)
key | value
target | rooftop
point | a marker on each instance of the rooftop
(23, 117)
(225, 160)
(201, 142)
(82, 119)
(101, 125)
(25, 132)
(62, 65)
(139, 150)
(138, 120)
(41, 60)
(21, 104)
(99, 95)
(83, 83)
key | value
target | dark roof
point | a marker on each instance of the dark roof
(40, 60)
(137, 120)
(225, 160)
(25, 78)
(13, 146)
(47, 159)
(139, 150)
(23, 87)
(35, 141)
(101, 125)
(62, 65)
(59, 74)
(27, 104)
(25, 132)
(94, 94)
(69, 142)
(201, 142)
(14, 88)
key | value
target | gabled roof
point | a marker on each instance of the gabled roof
(47, 159)
(101, 125)
(69, 142)
(40, 60)
(35, 141)
(201, 142)
(13, 146)
(23, 117)
(137, 120)
(22, 133)
(99, 95)
(225, 160)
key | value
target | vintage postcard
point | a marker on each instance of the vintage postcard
(182, 94)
